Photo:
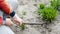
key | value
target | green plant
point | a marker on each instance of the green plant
(58, 5)
(49, 14)
(22, 27)
(41, 6)
(23, 13)
(55, 4)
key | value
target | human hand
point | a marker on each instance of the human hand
(18, 20)
(9, 22)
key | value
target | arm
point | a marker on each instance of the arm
(9, 11)
(16, 18)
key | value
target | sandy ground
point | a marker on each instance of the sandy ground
(30, 7)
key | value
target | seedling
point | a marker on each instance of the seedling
(23, 13)
(22, 27)
(41, 6)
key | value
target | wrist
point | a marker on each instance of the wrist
(12, 14)
(15, 17)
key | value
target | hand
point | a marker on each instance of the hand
(18, 20)
(9, 22)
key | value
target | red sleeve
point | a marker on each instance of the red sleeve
(6, 8)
